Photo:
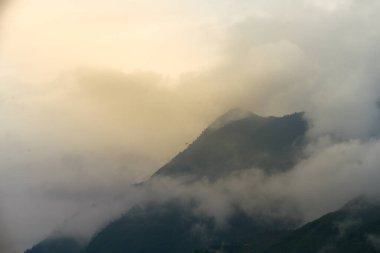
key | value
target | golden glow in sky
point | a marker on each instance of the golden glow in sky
(43, 37)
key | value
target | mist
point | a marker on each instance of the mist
(71, 145)
(325, 181)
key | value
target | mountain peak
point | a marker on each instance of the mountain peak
(241, 140)
(231, 116)
(362, 202)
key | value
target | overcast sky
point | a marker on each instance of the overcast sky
(95, 95)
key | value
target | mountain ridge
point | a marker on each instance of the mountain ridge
(346, 230)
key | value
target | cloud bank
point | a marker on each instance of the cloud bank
(71, 146)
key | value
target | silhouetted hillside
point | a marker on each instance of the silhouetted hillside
(57, 245)
(352, 229)
(175, 228)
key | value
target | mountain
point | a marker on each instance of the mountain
(241, 140)
(57, 245)
(236, 141)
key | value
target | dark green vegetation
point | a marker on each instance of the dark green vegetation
(57, 245)
(173, 227)
(354, 228)
(272, 144)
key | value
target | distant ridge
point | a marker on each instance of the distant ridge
(240, 140)
(353, 228)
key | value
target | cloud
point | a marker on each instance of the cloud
(322, 183)
(336, 83)
(374, 240)
(77, 142)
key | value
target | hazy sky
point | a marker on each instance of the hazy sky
(97, 94)
(44, 37)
